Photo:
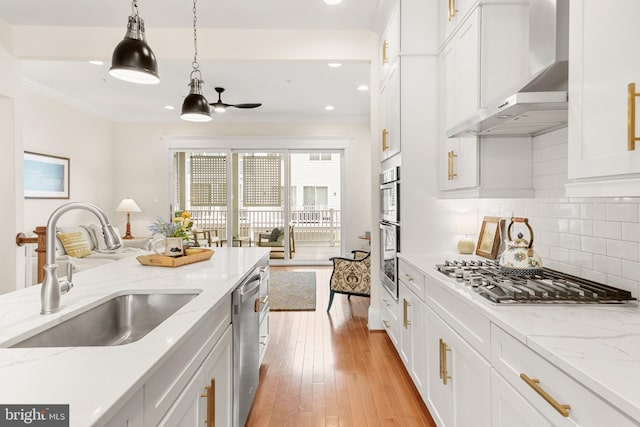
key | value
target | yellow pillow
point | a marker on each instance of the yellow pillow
(74, 244)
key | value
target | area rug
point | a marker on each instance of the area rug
(292, 291)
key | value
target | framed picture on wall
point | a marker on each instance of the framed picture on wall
(45, 176)
(490, 235)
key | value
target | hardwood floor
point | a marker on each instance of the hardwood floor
(327, 369)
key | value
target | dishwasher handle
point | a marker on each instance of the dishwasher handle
(250, 287)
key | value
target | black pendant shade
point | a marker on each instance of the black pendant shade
(195, 107)
(133, 60)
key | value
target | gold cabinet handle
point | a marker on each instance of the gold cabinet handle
(385, 147)
(405, 307)
(386, 324)
(451, 174)
(445, 371)
(385, 47)
(454, 11)
(211, 403)
(631, 117)
(263, 340)
(409, 278)
(386, 302)
(264, 299)
(450, 15)
(440, 357)
(453, 164)
(534, 384)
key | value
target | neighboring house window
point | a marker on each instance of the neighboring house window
(320, 156)
(316, 197)
(208, 180)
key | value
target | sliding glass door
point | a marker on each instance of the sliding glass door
(284, 200)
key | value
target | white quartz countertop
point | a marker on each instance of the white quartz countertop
(598, 345)
(96, 381)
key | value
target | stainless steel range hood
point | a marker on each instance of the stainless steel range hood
(539, 105)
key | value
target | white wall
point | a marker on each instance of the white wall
(141, 171)
(11, 256)
(50, 127)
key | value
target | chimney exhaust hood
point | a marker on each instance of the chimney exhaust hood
(540, 104)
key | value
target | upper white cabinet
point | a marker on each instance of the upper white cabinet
(451, 14)
(484, 57)
(390, 113)
(404, 44)
(603, 61)
(389, 47)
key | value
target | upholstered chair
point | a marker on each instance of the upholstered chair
(351, 276)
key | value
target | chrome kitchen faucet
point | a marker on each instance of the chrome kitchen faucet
(52, 288)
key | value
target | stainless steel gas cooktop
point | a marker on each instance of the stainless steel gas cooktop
(550, 287)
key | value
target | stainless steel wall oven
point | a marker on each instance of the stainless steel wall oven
(390, 229)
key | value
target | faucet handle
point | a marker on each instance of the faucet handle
(69, 272)
(67, 284)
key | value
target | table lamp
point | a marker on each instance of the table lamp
(128, 206)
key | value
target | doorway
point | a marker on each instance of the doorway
(239, 196)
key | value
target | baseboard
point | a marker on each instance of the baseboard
(375, 319)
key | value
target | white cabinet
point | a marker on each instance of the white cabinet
(413, 334)
(508, 408)
(389, 45)
(207, 398)
(390, 317)
(390, 113)
(599, 107)
(458, 378)
(450, 14)
(130, 415)
(477, 65)
(555, 395)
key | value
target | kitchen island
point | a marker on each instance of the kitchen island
(98, 382)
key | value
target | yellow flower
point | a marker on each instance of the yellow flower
(186, 214)
(178, 219)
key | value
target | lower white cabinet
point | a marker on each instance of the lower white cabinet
(458, 378)
(412, 336)
(130, 415)
(555, 395)
(508, 408)
(390, 317)
(207, 399)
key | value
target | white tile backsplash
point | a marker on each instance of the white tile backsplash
(595, 238)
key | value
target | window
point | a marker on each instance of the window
(315, 197)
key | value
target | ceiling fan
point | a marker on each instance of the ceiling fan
(220, 107)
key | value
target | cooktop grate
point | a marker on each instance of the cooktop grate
(550, 287)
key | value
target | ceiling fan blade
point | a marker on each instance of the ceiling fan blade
(245, 105)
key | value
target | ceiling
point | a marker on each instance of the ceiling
(291, 90)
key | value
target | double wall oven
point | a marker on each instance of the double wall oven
(390, 229)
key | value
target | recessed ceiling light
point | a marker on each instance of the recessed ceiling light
(333, 2)
(334, 64)
(329, 108)
(169, 107)
(96, 62)
(363, 87)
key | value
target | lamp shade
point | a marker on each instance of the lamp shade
(133, 60)
(128, 205)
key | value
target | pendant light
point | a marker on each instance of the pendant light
(195, 107)
(133, 60)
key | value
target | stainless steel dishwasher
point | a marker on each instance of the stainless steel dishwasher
(246, 339)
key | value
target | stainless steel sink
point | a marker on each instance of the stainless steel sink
(121, 320)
